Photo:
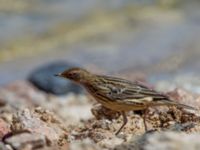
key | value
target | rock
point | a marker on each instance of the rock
(26, 141)
(85, 144)
(54, 147)
(135, 143)
(110, 143)
(162, 141)
(101, 112)
(4, 128)
(4, 147)
(190, 82)
(184, 97)
(41, 122)
(72, 108)
(44, 79)
(21, 94)
(172, 141)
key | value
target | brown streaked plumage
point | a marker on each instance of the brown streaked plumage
(119, 94)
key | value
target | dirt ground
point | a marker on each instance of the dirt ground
(32, 119)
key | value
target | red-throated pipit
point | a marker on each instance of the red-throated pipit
(119, 94)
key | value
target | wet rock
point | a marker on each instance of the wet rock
(41, 122)
(44, 79)
(26, 141)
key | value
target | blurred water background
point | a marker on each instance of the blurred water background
(157, 37)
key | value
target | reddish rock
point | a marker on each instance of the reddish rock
(184, 97)
(4, 128)
(42, 122)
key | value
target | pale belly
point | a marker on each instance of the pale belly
(121, 106)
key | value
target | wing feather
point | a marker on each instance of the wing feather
(121, 90)
(111, 89)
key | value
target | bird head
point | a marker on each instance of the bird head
(75, 74)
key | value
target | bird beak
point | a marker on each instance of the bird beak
(58, 75)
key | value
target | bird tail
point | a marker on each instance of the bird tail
(173, 103)
(186, 106)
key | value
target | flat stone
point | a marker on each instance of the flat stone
(26, 141)
(41, 122)
(44, 79)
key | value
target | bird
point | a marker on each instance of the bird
(119, 94)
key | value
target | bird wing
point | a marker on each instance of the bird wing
(121, 90)
(135, 92)
(131, 93)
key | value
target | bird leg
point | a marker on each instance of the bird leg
(144, 119)
(125, 120)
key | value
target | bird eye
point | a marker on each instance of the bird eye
(71, 74)
(74, 75)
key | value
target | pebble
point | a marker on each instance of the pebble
(42, 122)
(44, 79)
(26, 141)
